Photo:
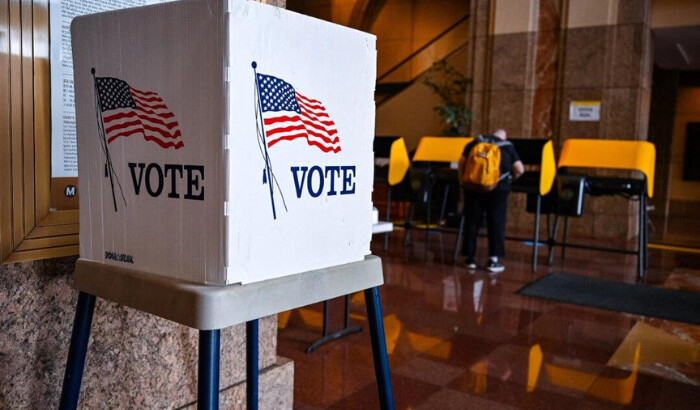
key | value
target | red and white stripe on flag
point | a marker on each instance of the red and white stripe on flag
(313, 123)
(151, 118)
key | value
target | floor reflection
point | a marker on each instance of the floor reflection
(464, 340)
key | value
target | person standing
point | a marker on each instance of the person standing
(491, 200)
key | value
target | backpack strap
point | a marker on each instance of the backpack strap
(504, 176)
(501, 144)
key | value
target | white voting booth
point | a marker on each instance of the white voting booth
(223, 141)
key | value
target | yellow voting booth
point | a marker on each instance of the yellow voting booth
(537, 154)
(433, 150)
(637, 156)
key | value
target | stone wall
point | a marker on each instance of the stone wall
(134, 360)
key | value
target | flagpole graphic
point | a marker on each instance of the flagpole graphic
(268, 171)
(109, 168)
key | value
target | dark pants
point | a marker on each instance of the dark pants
(494, 205)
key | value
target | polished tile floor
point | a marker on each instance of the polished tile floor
(460, 340)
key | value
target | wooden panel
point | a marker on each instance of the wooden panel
(42, 108)
(59, 218)
(5, 142)
(53, 230)
(15, 77)
(50, 242)
(43, 254)
(27, 76)
(28, 228)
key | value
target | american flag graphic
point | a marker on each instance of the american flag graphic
(133, 112)
(288, 115)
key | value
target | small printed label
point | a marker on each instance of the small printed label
(119, 257)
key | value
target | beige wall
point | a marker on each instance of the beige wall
(672, 13)
(515, 16)
(403, 26)
(687, 110)
(410, 114)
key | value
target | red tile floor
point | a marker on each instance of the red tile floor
(458, 340)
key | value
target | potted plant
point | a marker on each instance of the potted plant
(451, 86)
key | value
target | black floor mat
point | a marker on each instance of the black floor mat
(670, 304)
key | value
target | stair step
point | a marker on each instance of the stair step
(390, 88)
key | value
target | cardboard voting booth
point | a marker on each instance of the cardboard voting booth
(223, 141)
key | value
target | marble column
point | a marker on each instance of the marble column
(534, 57)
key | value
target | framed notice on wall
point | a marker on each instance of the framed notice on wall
(588, 111)
(64, 160)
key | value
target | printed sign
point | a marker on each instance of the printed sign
(584, 111)
(64, 159)
(223, 141)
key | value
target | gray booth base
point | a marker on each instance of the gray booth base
(207, 307)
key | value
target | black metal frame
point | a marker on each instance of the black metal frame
(329, 337)
(642, 250)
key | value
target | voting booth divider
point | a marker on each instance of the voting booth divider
(441, 151)
(639, 156)
(390, 152)
(226, 167)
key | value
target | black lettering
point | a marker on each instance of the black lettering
(173, 180)
(137, 182)
(194, 190)
(150, 190)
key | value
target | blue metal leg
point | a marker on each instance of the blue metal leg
(208, 377)
(76, 352)
(251, 342)
(381, 361)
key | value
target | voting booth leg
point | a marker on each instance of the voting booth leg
(427, 218)
(208, 372)
(407, 224)
(536, 239)
(77, 351)
(566, 233)
(552, 240)
(329, 337)
(388, 215)
(381, 361)
(458, 242)
(641, 240)
(444, 205)
(645, 224)
(251, 368)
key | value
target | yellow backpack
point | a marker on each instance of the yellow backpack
(482, 170)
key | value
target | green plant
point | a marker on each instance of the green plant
(451, 86)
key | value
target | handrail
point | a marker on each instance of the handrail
(425, 46)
